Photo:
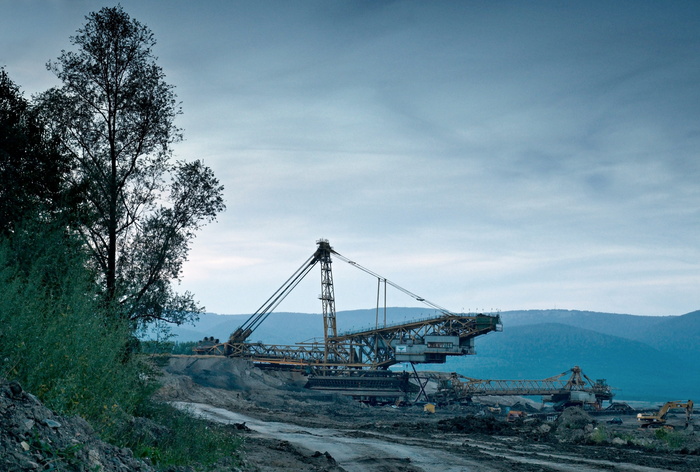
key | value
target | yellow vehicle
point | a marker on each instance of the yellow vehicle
(658, 419)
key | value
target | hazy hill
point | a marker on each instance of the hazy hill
(290, 328)
(644, 357)
(635, 369)
(676, 334)
(628, 326)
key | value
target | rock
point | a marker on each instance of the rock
(329, 458)
(25, 426)
(32, 398)
(24, 417)
(52, 423)
(15, 388)
(619, 442)
(94, 458)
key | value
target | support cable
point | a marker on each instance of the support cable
(246, 329)
(445, 311)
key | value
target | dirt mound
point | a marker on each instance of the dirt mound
(574, 425)
(475, 425)
(32, 437)
(233, 374)
(266, 455)
(238, 384)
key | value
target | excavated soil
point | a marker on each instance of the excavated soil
(286, 427)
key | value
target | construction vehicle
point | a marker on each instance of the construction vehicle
(355, 362)
(658, 419)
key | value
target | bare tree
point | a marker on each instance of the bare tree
(114, 116)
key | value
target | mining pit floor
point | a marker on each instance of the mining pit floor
(288, 428)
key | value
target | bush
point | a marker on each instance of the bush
(57, 341)
(170, 437)
(673, 439)
(62, 344)
(167, 347)
(599, 435)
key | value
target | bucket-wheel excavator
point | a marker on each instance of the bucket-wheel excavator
(357, 360)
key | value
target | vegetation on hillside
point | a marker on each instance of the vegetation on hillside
(89, 245)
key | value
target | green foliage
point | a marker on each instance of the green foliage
(184, 348)
(673, 439)
(114, 117)
(599, 435)
(62, 344)
(32, 169)
(52, 457)
(56, 338)
(181, 439)
(167, 347)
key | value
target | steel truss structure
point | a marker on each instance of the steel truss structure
(429, 340)
(577, 388)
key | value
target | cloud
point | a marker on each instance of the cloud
(519, 155)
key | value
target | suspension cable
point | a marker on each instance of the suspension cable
(396, 286)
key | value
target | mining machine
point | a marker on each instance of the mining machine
(352, 361)
(658, 419)
(577, 389)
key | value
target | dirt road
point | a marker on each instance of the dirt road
(351, 449)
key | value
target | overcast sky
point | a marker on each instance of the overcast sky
(484, 155)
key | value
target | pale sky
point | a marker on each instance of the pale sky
(484, 155)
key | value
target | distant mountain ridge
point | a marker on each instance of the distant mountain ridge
(644, 357)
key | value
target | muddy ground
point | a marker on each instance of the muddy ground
(287, 427)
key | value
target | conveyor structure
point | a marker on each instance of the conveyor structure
(429, 340)
(577, 389)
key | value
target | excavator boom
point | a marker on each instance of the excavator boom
(658, 419)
